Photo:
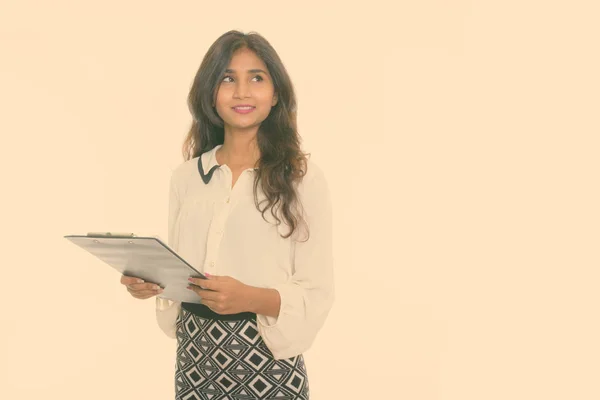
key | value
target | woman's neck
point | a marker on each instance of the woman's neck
(239, 151)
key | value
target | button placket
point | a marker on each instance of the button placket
(221, 210)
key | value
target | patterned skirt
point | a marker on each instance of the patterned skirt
(224, 357)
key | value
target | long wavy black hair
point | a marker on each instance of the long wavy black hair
(282, 164)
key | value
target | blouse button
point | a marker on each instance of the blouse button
(227, 200)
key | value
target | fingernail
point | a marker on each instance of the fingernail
(139, 281)
(189, 288)
(156, 287)
(207, 274)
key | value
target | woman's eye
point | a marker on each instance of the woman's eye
(260, 78)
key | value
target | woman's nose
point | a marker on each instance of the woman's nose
(241, 90)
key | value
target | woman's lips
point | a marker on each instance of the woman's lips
(243, 110)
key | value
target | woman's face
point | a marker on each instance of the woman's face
(246, 82)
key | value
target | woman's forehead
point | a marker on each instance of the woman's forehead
(244, 60)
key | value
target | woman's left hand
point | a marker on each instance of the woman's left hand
(222, 294)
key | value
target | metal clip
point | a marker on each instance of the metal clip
(110, 234)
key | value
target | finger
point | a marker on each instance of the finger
(143, 286)
(142, 296)
(128, 280)
(194, 289)
(206, 294)
(205, 284)
(199, 281)
(144, 292)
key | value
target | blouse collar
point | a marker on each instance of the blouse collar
(208, 162)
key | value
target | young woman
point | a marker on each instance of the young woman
(250, 211)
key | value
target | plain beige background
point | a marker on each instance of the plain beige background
(461, 144)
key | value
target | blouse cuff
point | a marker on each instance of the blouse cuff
(266, 321)
(167, 312)
(284, 335)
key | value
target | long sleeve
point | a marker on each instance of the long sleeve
(168, 310)
(308, 295)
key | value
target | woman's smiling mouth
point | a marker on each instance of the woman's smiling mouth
(243, 109)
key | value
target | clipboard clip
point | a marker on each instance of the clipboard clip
(111, 234)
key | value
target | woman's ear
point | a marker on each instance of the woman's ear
(275, 99)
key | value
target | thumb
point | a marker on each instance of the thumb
(128, 280)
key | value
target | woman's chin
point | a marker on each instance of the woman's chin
(242, 128)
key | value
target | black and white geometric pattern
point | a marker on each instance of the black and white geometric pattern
(227, 359)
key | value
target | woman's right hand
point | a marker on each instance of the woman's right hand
(140, 289)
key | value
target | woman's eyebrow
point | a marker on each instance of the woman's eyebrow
(252, 71)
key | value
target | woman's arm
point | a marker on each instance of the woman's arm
(264, 301)
(307, 297)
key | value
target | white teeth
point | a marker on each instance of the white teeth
(243, 108)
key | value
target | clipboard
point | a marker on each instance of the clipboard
(144, 257)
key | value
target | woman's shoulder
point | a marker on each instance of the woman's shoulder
(184, 170)
(314, 176)
(314, 169)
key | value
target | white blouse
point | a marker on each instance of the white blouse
(219, 230)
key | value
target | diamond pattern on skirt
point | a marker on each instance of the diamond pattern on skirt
(218, 360)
